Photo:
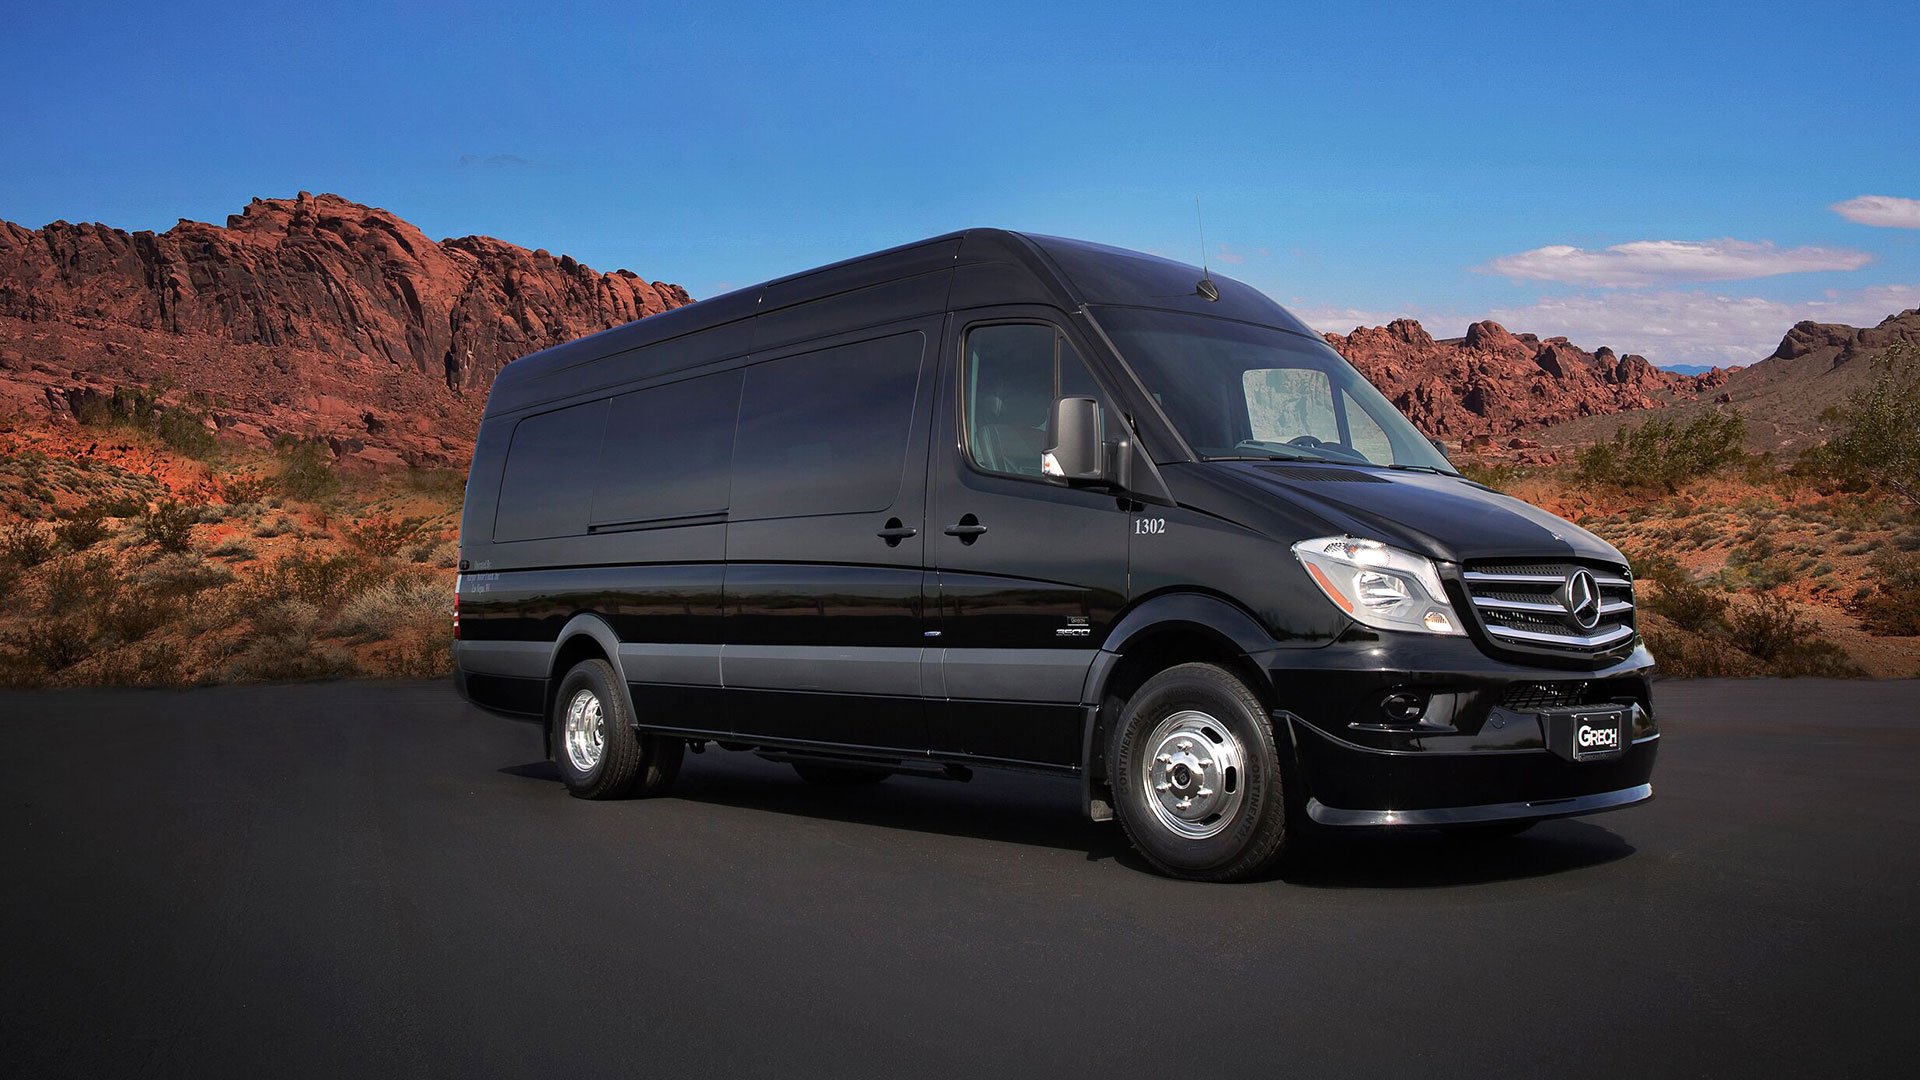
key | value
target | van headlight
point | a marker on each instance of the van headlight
(1380, 586)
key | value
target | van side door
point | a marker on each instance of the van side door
(822, 593)
(1029, 574)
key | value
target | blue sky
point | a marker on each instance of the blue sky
(1355, 161)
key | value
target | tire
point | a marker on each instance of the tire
(1201, 731)
(599, 754)
(824, 775)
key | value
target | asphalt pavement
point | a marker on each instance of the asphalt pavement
(372, 879)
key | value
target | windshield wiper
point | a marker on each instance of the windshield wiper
(1269, 455)
(1434, 469)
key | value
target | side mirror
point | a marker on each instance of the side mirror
(1079, 452)
(1440, 446)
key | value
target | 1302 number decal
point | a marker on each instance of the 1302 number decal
(1149, 526)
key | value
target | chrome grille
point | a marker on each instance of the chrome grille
(1530, 605)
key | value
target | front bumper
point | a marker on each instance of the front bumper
(1479, 752)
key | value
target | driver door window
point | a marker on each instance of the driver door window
(1013, 374)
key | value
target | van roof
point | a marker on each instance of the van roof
(960, 269)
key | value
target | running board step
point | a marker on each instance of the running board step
(932, 770)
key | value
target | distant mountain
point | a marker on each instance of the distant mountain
(1816, 366)
(311, 316)
(1492, 384)
(1693, 369)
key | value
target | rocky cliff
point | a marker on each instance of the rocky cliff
(1493, 383)
(314, 315)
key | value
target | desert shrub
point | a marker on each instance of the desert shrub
(242, 488)
(233, 547)
(382, 535)
(53, 643)
(283, 647)
(1685, 655)
(83, 528)
(185, 430)
(86, 583)
(279, 526)
(1675, 595)
(1892, 603)
(306, 470)
(182, 573)
(312, 578)
(1769, 629)
(9, 578)
(384, 610)
(422, 655)
(1498, 475)
(1879, 443)
(448, 482)
(25, 545)
(168, 524)
(136, 613)
(156, 663)
(1661, 455)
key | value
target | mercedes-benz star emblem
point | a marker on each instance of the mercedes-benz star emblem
(1581, 597)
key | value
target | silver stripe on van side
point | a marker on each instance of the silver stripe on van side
(836, 669)
(682, 665)
(1053, 675)
(514, 659)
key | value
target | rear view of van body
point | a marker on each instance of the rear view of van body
(998, 500)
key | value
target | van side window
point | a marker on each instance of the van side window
(1013, 374)
(667, 451)
(546, 488)
(826, 432)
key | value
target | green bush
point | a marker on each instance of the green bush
(1770, 630)
(185, 429)
(169, 524)
(25, 545)
(83, 528)
(306, 470)
(1892, 605)
(1660, 455)
(1879, 442)
(382, 535)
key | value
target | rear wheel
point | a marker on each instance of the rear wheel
(599, 754)
(1196, 776)
(814, 772)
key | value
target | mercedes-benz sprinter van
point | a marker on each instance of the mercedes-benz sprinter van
(999, 500)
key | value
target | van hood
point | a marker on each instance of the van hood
(1442, 517)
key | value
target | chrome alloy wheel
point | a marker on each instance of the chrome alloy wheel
(1195, 772)
(585, 732)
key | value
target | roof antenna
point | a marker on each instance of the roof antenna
(1206, 289)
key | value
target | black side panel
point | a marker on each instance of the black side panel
(823, 610)
(660, 603)
(888, 302)
(523, 697)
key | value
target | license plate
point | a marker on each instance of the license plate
(1600, 733)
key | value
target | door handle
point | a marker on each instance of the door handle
(968, 529)
(896, 532)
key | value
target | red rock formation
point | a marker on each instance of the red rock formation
(312, 315)
(1493, 382)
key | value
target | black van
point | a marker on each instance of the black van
(1016, 501)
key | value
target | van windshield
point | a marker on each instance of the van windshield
(1239, 391)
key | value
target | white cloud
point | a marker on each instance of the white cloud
(1227, 255)
(1656, 262)
(1886, 211)
(1666, 326)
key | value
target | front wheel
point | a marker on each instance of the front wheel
(1196, 776)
